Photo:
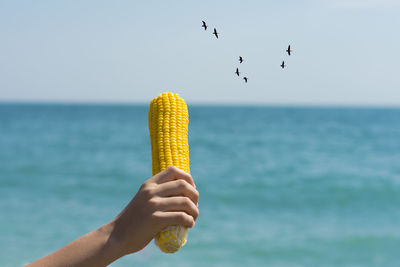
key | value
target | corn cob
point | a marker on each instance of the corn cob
(168, 125)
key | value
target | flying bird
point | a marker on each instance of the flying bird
(283, 65)
(240, 59)
(288, 50)
(215, 33)
(245, 79)
(204, 25)
(237, 71)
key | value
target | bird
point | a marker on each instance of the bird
(204, 25)
(288, 50)
(283, 65)
(240, 59)
(215, 33)
(237, 72)
(245, 79)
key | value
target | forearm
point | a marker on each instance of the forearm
(168, 198)
(97, 248)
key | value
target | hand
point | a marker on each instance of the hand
(168, 198)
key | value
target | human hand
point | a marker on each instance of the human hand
(168, 198)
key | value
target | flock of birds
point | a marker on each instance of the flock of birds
(237, 72)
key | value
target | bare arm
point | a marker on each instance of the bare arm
(168, 198)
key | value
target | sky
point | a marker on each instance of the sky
(345, 52)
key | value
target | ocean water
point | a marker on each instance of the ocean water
(278, 186)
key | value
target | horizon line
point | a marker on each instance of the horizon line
(200, 103)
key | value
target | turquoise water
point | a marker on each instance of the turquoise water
(278, 186)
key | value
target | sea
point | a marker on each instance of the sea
(279, 186)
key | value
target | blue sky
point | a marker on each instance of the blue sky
(346, 52)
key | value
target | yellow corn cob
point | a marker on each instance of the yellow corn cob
(168, 125)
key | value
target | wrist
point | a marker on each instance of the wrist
(111, 242)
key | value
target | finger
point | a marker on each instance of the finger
(174, 218)
(178, 204)
(177, 188)
(173, 173)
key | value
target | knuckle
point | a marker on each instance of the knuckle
(154, 202)
(182, 184)
(196, 195)
(144, 185)
(156, 216)
(181, 216)
(146, 189)
(189, 175)
(172, 169)
(196, 213)
(186, 201)
(188, 221)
